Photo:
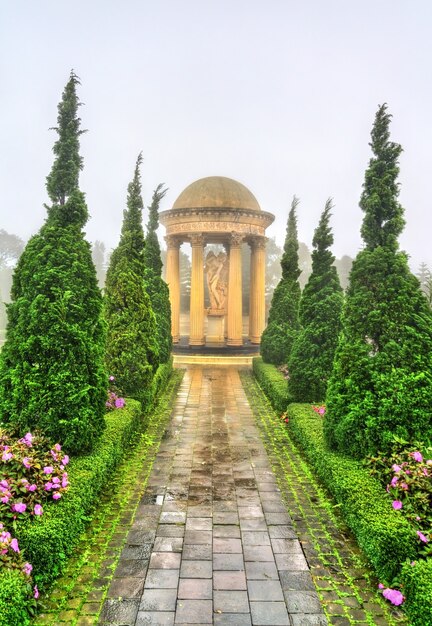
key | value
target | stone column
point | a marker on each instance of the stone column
(173, 281)
(196, 333)
(257, 289)
(235, 321)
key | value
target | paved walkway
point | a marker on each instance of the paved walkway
(211, 542)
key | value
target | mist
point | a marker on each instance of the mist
(280, 95)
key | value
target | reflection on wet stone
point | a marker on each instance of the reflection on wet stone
(211, 524)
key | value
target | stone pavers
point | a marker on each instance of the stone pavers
(211, 541)
(346, 586)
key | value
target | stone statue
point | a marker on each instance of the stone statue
(217, 280)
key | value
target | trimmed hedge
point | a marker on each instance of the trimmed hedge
(273, 383)
(160, 379)
(386, 538)
(417, 581)
(14, 594)
(49, 541)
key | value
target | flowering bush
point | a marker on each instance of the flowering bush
(31, 472)
(407, 476)
(114, 400)
(319, 409)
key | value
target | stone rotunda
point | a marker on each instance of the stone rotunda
(217, 210)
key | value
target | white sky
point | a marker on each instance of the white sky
(278, 94)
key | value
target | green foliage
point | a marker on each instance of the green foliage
(161, 378)
(381, 383)
(312, 354)
(386, 538)
(273, 383)
(416, 578)
(383, 221)
(283, 322)
(47, 542)
(63, 179)
(156, 287)
(132, 354)
(51, 370)
(15, 593)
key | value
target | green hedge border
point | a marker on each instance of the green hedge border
(50, 540)
(273, 383)
(385, 537)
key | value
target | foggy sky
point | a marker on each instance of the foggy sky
(278, 94)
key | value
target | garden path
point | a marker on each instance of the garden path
(212, 542)
(193, 530)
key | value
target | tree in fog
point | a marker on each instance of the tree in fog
(381, 384)
(283, 322)
(156, 287)
(311, 360)
(52, 373)
(132, 354)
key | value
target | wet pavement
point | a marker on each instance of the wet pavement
(211, 541)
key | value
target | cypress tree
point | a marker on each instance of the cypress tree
(283, 322)
(381, 385)
(156, 287)
(52, 373)
(132, 354)
(312, 355)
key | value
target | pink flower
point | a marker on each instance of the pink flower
(48, 486)
(397, 504)
(14, 545)
(48, 469)
(394, 481)
(36, 592)
(394, 596)
(27, 440)
(57, 447)
(7, 456)
(422, 537)
(65, 460)
(27, 568)
(65, 481)
(56, 495)
(19, 507)
(38, 510)
(5, 499)
(119, 403)
(380, 586)
(26, 462)
(396, 468)
(404, 486)
(111, 378)
(31, 487)
(417, 456)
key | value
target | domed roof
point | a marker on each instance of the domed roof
(216, 192)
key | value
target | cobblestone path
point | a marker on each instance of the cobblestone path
(226, 526)
(212, 542)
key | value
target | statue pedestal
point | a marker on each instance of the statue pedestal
(215, 327)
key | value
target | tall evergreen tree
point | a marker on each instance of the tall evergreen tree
(283, 322)
(52, 373)
(132, 354)
(312, 355)
(381, 383)
(155, 285)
